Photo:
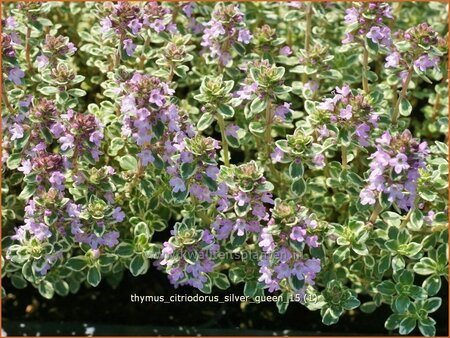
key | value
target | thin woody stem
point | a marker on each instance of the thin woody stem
(5, 99)
(365, 80)
(344, 157)
(402, 95)
(226, 153)
(307, 36)
(376, 211)
(28, 49)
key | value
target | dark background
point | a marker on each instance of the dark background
(111, 311)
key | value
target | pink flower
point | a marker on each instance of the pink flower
(286, 51)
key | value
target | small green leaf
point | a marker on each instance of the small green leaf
(407, 325)
(76, 263)
(14, 160)
(250, 288)
(406, 277)
(128, 162)
(283, 303)
(368, 307)
(432, 304)
(46, 289)
(351, 303)
(75, 92)
(426, 266)
(49, 90)
(94, 277)
(221, 281)
(412, 249)
(298, 187)
(296, 169)
(147, 188)
(398, 263)
(28, 191)
(427, 327)
(62, 288)
(236, 274)
(372, 46)
(393, 321)
(384, 263)
(416, 220)
(187, 170)
(402, 303)
(124, 250)
(205, 121)
(115, 146)
(207, 286)
(18, 281)
(341, 254)
(405, 107)
(226, 110)
(310, 107)
(329, 317)
(258, 105)
(181, 71)
(432, 285)
(386, 288)
(257, 128)
(139, 265)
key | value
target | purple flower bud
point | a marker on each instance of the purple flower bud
(158, 26)
(367, 197)
(298, 234)
(118, 215)
(129, 46)
(351, 15)
(105, 24)
(66, 142)
(231, 130)
(277, 155)
(156, 97)
(177, 184)
(146, 157)
(135, 26)
(425, 61)
(42, 61)
(16, 75)
(346, 113)
(244, 36)
(286, 51)
(281, 111)
(212, 172)
(26, 167)
(399, 163)
(16, 131)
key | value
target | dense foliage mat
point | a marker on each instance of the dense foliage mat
(296, 149)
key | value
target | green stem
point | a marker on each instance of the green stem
(406, 219)
(28, 49)
(402, 95)
(5, 99)
(268, 140)
(118, 52)
(307, 37)
(171, 73)
(376, 211)
(268, 132)
(365, 80)
(226, 153)
(344, 157)
(142, 58)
